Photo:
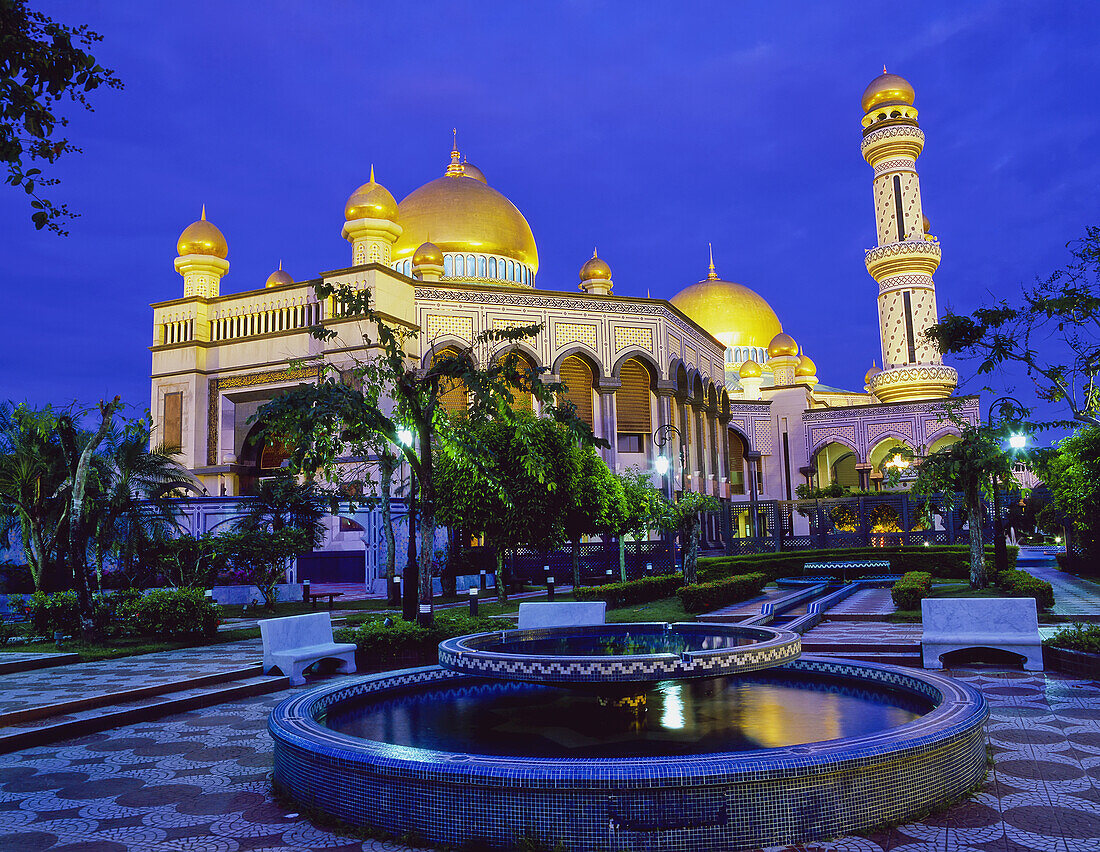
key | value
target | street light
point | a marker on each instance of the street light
(1016, 441)
(662, 438)
(661, 463)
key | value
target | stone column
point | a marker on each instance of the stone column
(608, 416)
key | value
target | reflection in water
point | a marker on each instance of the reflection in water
(681, 718)
(615, 644)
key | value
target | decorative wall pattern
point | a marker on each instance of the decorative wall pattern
(566, 333)
(627, 337)
(438, 326)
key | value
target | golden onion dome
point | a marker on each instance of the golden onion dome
(874, 371)
(427, 254)
(202, 237)
(471, 171)
(750, 370)
(464, 214)
(806, 366)
(371, 201)
(782, 345)
(279, 277)
(731, 312)
(595, 269)
(887, 89)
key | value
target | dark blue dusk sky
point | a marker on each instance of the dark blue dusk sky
(647, 129)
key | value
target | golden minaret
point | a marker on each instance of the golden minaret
(906, 255)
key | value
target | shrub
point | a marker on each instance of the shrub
(402, 642)
(172, 614)
(49, 613)
(913, 586)
(633, 591)
(1080, 637)
(704, 597)
(1020, 584)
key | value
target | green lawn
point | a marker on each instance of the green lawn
(93, 651)
(298, 608)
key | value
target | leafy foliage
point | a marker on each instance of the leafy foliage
(1020, 584)
(1079, 637)
(173, 614)
(385, 645)
(42, 63)
(631, 592)
(911, 589)
(1072, 473)
(685, 517)
(704, 597)
(1052, 332)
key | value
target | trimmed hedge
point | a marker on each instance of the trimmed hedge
(633, 591)
(405, 642)
(1020, 584)
(913, 586)
(946, 562)
(704, 597)
(172, 614)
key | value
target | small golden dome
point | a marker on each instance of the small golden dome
(202, 237)
(371, 201)
(279, 277)
(887, 89)
(731, 312)
(806, 367)
(750, 370)
(926, 225)
(427, 254)
(595, 268)
(464, 214)
(874, 371)
(782, 345)
(471, 171)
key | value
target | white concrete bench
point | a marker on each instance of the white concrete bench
(1006, 624)
(295, 643)
(533, 616)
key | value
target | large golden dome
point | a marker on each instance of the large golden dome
(460, 213)
(731, 312)
(202, 237)
(887, 89)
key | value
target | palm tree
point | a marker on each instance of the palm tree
(282, 502)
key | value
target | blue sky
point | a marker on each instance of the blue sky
(647, 129)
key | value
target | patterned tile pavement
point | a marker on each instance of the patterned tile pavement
(79, 680)
(1072, 595)
(863, 633)
(865, 602)
(200, 781)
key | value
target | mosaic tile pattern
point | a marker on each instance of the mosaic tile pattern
(200, 781)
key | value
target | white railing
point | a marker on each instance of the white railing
(233, 322)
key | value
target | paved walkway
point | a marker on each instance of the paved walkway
(1072, 595)
(863, 633)
(21, 690)
(866, 602)
(200, 781)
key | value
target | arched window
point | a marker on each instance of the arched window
(460, 266)
(481, 266)
(409, 268)
(448, 265)
(453, 396)
(492, 267)
(471, 266)
(576, 375)
(511, 275)
(632, 405)
(521, 393)
(736, 455)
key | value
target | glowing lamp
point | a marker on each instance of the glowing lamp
(1017, 442)
(405, 437)
(661, 463)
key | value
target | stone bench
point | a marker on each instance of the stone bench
(1006, 624)
(294, 644)
(534, 616)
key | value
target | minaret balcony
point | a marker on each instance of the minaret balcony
(910, 382)
(898, 258)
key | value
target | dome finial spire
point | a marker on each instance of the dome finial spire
(883, 67)
(203, 216)
(711, 274)
(372, 173)
(455, 168)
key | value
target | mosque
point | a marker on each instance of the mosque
(708, 379)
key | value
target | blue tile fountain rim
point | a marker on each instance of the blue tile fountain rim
(475, 655)
(957, 710)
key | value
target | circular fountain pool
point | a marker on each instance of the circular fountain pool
(813, 748)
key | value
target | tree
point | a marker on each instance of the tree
(967, 467)
(685, 517)
(1053, 332)
(644, 506)
(42, 63)
(596, 505)
(32, 481)
(512, 481)
(1072, 473)
(410, 398)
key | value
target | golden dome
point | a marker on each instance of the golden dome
(371, 201)
(279, 277)
(472, 171)
(427, 253)
(464, 214)
(731, 312)
(751, 370)
(595, 268)
(926, 224)
(874, 371)
(202, 237)
(806, 367)
(887, 89)
(782, 345)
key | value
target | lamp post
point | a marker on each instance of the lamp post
(661, 438)
(409, 591)
(1016, 442)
